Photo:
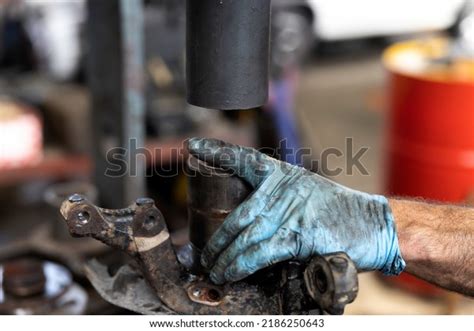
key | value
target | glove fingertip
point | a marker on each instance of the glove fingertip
(231, 275)
(207, 149)
(205, 261)
(217, 279)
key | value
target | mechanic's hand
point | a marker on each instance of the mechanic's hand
(294, 214)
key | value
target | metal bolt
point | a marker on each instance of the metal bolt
(205, 294)
(144, 202)
(76, 198)
(197, 292)
(24, 277)
(83, 217)
(150, 222)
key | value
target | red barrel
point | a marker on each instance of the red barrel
(430, 141)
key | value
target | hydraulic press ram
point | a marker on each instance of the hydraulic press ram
(227, 69)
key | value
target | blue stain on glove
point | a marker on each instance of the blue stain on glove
(294, 214)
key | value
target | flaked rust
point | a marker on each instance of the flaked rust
(212, 195)
(126, 229)
(141, 231)
(205, 294)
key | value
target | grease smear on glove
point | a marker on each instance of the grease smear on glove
(294, 214)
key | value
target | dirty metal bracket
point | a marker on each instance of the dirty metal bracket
(140, 231)
(164, 286)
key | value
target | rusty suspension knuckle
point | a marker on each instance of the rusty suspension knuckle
(327, 283)
(81, 216)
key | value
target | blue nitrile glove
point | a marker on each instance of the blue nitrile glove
(294, 214)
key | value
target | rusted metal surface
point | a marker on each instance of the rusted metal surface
(54, 196)
(205, 294)
(42, 243)
(180, 286)
(35, 286)
(331, 280)
(125, 288)
(140, 230)
(294, 296)
(212, 195)
(24, 277)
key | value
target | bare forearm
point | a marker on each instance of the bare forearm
(437, 243)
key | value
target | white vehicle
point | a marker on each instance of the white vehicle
(343, 19)
(299, 23)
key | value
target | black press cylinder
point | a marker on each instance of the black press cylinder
(227, 47)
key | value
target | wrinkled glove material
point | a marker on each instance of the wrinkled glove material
(294, 214)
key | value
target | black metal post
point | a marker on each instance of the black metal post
(115, 76)
(227, 53)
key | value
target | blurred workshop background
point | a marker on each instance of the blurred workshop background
(395, 77)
